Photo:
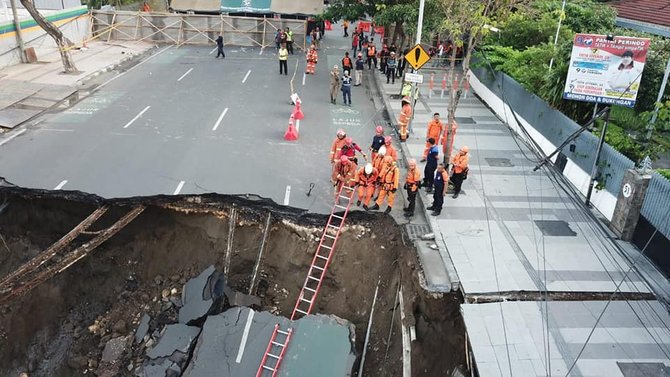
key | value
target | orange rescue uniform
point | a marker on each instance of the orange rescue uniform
(434, 131)
(447, 150)
(388, 180)
(336, 149)
(366, 184)
(343, 174)
(391, 151)
(403, 120)
(312, 59)
(460, 162)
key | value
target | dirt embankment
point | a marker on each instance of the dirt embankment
(61, 327)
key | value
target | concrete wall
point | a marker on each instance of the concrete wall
(548, 127)
(74, 22)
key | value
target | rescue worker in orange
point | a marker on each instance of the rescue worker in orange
(447, 149)
(435, 128)
(388, 179)
(460, 169)
(390, 149)
(365, 179)
(312, 59)
(378, 163)
(336, 148)
(344, 172)
(412, 185)
(403, 119)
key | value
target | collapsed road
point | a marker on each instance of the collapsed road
(125, 306)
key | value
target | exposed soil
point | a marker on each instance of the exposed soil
(61, 327)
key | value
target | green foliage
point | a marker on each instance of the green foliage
(664, 172)
(348, 10)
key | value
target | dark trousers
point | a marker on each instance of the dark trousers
(411, 200)
(372, 59)
(438, 198)
(283, 67)
(346, 34)
(289, 47)
(390, 74)
(382, 65)
(429, 175)
(353, 49)
(346, 94)
(220, 52)
(457, 180)
(400, 70)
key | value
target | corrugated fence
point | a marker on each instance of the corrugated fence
(656, 206)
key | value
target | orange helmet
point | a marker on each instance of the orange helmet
(465, 149)
(379, 130)
(349, 140)
(387, 140)
(344, 159)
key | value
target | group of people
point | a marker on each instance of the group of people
(390, 64)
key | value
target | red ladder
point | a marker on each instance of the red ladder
(317, 271)
(274, 353)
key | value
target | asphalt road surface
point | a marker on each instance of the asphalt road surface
(183, 122)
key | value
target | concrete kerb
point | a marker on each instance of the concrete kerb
(432, 220)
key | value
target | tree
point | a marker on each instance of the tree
(54, 32)
(465, 23)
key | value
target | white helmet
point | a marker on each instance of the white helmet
(368, 168)
(382, 150)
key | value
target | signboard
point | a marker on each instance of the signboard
(606, 71)
(417, 57)
(245, 6)
(414, 77)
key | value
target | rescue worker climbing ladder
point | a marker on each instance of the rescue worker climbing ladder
(344, 171)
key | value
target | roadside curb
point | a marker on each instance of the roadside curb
(432, 221)
(129, 58)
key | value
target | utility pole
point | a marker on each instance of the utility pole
(19, 37)
(594, 170)
(558, 29)
(664, 83)
(413, 93)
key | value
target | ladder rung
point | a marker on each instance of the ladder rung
(317, 267)
(310, 289)
(268, 368)
(278, 344)
(339, 206)
(339, 217)
(306, 300)
(348, 188)
(334, 226)
(313, 278)
(329, 236)
(327, 247)
(321, 256)
(345, 197)
(300, 311)
(274, 356)
(282, 332)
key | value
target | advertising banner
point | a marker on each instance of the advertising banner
(606, 71)
(245, 6)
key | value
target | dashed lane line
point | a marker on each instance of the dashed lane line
(60, 185)
(137, 117)
(218, 121)
(246, 76)
(13, 136)
(179, 187)
(184, 75)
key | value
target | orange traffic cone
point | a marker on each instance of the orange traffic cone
(291, 132)
(297, 111)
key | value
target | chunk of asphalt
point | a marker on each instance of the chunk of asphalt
(160, 368)
(114, 349)
(196, 299)
(236, 298)
(142, 328)
(177, 337)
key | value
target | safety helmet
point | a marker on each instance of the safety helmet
(344, 159)
(379, 129)
(411, 162)
(465, 149)
(406, 99)
(335, 67)
(392, 53)
(341, 133)
(368, 168)
(387, 140)
(382, 150)
(348, 140)
(360, 55)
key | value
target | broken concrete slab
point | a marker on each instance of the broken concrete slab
(236, 298)
(233, 343)
(114, 350)
(177, 337)
(161, 368)
(200, 295)
(142, 328)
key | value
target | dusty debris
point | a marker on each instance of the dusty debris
(114, 349)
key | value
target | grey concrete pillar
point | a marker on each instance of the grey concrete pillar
(629, 203)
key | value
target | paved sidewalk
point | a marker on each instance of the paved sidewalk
(511, 235)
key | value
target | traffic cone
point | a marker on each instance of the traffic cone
(297, 111)
(291, 132)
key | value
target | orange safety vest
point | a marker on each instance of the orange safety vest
(405, 114)
(346, 62)
(312, 56)
(372, 50)
(389, 178)
(377, 162)
(460, 162)
(413, 179)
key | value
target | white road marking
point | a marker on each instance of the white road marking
(179, 187)
(304, 77)
(136, 117)
(297, 125)
(287, 196)
(142, 62)
(60, 185)
(246, 76)
(245, 335)
(211, 52)
(218, 121)
(13, 136)
(261, 53)
(184, 75)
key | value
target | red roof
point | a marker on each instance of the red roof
(651, 11)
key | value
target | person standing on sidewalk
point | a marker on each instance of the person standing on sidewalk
(347, 64)
(434, 131)
(289, 40)
(360, 66)
(219, 47)
(439, 189)
(403, 63)
(345, 26)
(346, 88)
(412, 185)
(283, 60)
(334, 84)
(460, 169)
(354, 42)
(403, 119)
(390, 68)
(431, 165)
(372, 54)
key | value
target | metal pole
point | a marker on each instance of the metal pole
(19, 37)
(558, 29)
(595, 161)
(413, 93)
(664, 83)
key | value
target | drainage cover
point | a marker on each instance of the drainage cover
(465, 120)
(499, 162)
(415, 231)
(644, 369)
(555, 228)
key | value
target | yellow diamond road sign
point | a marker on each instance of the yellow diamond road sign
(417, 57)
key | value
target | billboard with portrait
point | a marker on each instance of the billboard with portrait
(606, 70)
